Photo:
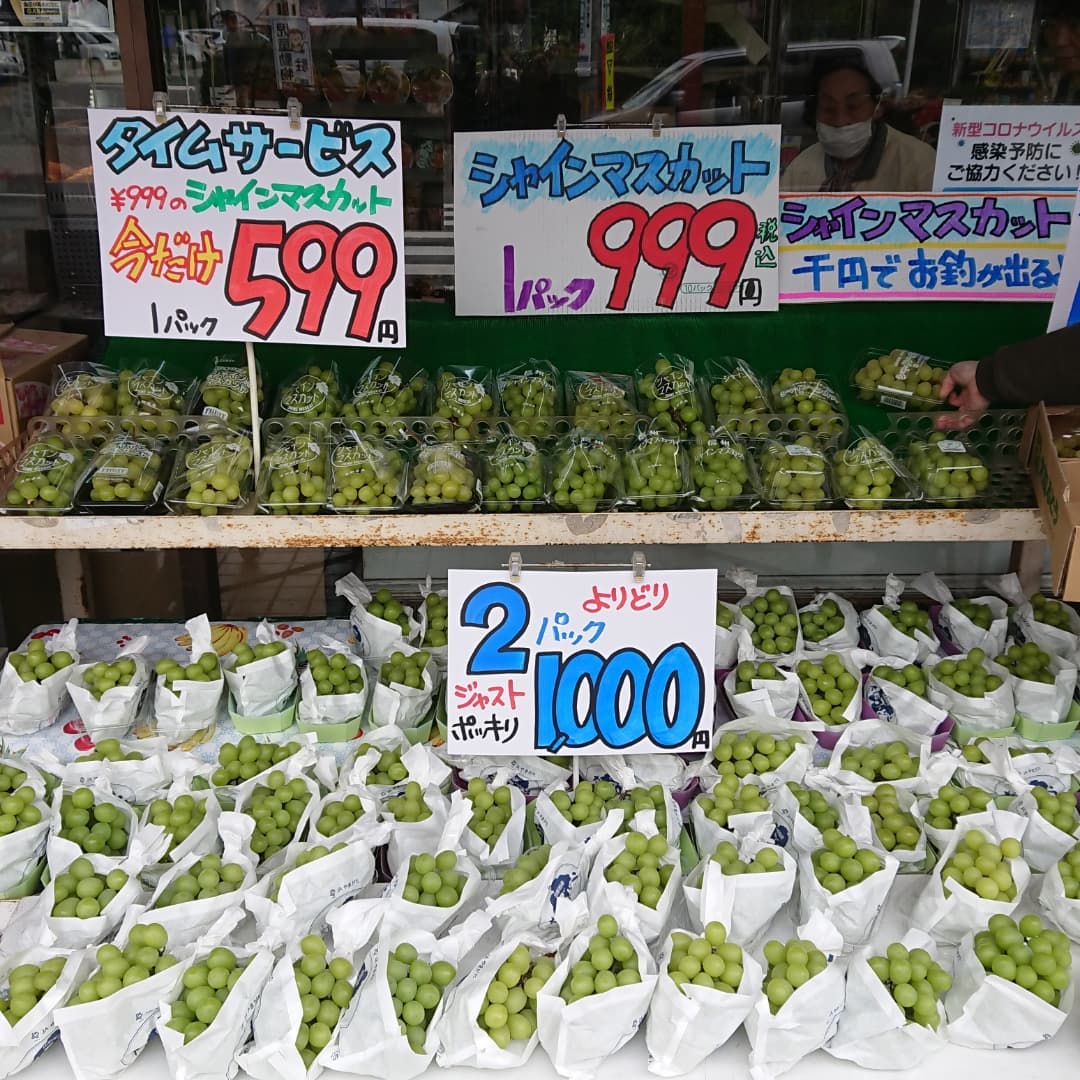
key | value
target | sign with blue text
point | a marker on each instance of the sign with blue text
(592, 662)
(1066, 309)
(609, 221)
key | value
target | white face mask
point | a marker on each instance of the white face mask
(845, 142)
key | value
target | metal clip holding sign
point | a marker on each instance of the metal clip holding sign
(560, 125)
(161, 106)
(292, 107)
(637, 566)
(657, 126)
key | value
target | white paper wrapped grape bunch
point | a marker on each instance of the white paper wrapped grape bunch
(527, 868)
(117, 968)
(829, 686)
(982, 866)
(794, 475)
(335, 674)
(443, 476)
(325, 987)
(609, 961)
(669, 394)
(19, 805)
(1051, 612)
(1035, 957)
(775, 622)
(366, 476)
(293, 477)
(27, 984)
(791, 965)
(814, 807)
(907, 618)
(276, 807)
(416, 989)
(206, 987)
(35, 665)
(719, 474)
(241, 761)
(512, 476)
(46, 475)
(203, 880)
(967, 675)
(729, 797)
(949, 471)
(81, 892)
(765, 861)
(206, 669)
(895, 828)
(751, 752)
(655, 472)
(508, 1012)
(638, 866)
(841, 863)
(915, 981)
(438, 614)
(98, 828)
(886, 761)
(386, 388)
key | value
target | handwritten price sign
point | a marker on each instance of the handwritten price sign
(609, 221)
(580, 663)
(238, 228)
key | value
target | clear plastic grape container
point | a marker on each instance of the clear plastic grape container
(602, 401)
(127, 475)
(804, 391)
(513, 475)
(899, 378)
(82, 394)
(866, 476)
(586, 477)
(312, 393)
(655, 472)
(794, 475)
(721, 473)
(292, 476)
(224, 393)
(443, 477)
(732, 388)
(530, 394)
(389, 386)
(367, 476)
(212, 474)
(462, 395)
(948, 469)
(45, 476)
(153, 398)
(668, 394)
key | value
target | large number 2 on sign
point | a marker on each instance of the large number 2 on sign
(338, 254)
(691, 241)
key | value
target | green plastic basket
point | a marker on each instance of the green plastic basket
(963, 735)
(263, 725)
(328, 733)
(1036, 731)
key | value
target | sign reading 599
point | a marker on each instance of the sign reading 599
(580, 663)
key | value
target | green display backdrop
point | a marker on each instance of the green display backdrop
(828, 337)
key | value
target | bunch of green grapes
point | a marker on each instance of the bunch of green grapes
(841, 863)
(1059, 810)
(670, 395)
(737, 392)
(383, 606)
(84, 394)
(491, 810)
(729, 797)
(654, 472)
(80, 892)
(776, 622)
(508, 1011)
(366, 475)
(981, 615)
(886, 761)
(1069, 868)
(895, 829)
(27, 985)
(106, 750)
(725, 617)
(793, 474)
(388, 770)
(638, 866)
(213, 475)
(766, 861)
(338, 815)
(1051, 612)
(829, 686)
(384, 390)
(416, 989)
(952, 802)
(634, 800)
(35, 665)
(335, 674)
(303, 858)
(914, 981)
(865, 474)
(100, 678)
(126, 470)
(585, 474)
(911, 678)
(814, 807)
(512, 476)
(609, 961)
(530, 398)
(746, 752)
(153, 398)
(908, 618)
(1027, 662)
(966, 675)
(982, 866)
(247, 654)
(802, 392)
(312, 395)
(527, 867)
(791, 965)
(434, 880)
(822, 622)
(325, 987)
(203, 880)
(46, 475)
(948, 470)
(718, 472)
(400, 669)
(295, 471)
(463, 398)
(443, 474)
(98, 828)
(225, 393)
(19, 805)
(117, 969)
(410, 805)
(276, 808)
(241, 761)
(206, 987)
(1035, 957)
(710, 960)
(588, 803)
(911, 375)
(603, 403)
(179, 818)
(438, 617)
(206, 669)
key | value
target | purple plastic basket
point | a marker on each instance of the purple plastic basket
(948, 647)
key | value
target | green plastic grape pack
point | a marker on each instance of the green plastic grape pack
(311, 393)
(512, 475)
(668, 391)
(225, 393)
(46, 476)
(601, 402)
(380, 622)
(388, 387)
(531, 396)
(33, 682)
(292, 478)
(367, 476)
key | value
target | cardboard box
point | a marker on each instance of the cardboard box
(1057, 490)
(27, 359)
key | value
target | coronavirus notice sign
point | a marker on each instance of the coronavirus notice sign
(250, 228)
(580, 663)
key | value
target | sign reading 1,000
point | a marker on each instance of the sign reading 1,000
(613, 699)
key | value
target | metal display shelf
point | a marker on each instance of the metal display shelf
(478, 530)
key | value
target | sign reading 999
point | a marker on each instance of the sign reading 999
(580, 663)
(607, 221)
(250, 228)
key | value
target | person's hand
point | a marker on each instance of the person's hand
(962, 391)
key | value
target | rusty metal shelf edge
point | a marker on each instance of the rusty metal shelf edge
(496, 530)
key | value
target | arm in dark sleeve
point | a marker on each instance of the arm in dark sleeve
(1042, 369)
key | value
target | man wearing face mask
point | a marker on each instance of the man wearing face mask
(856, 150)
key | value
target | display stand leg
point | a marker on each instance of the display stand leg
(75, 590)
(253, 401)
(1028, 560)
